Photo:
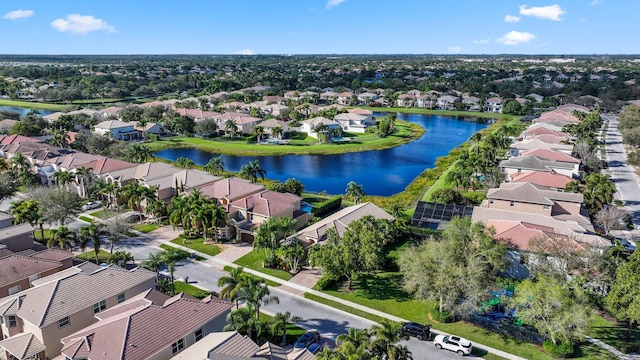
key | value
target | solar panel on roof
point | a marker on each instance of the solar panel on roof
(428, 213)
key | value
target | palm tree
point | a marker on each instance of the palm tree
(154, 263)
(277, 132)
(84, 177)
(230, 126)
(386, 336)
(354, 191)
(179, 212)
(62, 178)
(120, 258)
(185, 163)
(215, 166)
(255, 292)
(91, 233)
(282, 321)
(170, 257)
(258, 131)
(63, 237)
(4, 165)
(28, 211)
(355, 337)
(231, 285)
(253, 170)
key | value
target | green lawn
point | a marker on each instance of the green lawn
(293, 332)
(181, 286)
(266, 281)
(32, 105)
(441, 112)
(86, 219)
(198, 245)
(103, 214)
(90, 255)
(615, 334)
(47, 235)
(144, 228)
(405, 132)
(253, 260)
(185, 253)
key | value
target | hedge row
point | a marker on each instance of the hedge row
(327, 206)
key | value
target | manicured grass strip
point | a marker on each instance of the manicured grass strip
(266, 281)
(90, 255)
(198, 245)
(144, 228)
(182, 287)
(254, 259)
(186, 253)
(86, 219)
(32, 105)
(406, 132)
(103, 214)
(47, 235)
(345, 308)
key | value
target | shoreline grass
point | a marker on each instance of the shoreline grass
(406, 132)
(31, 105)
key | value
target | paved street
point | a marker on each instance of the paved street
(622, 175)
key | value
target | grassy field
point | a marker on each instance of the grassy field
(144, 228)
(406, 132)
(31, 105)
(182, 287)
(615, 334)
(198, 245)
(90, 255)
(253, 260)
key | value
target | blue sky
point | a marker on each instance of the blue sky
(320, 27)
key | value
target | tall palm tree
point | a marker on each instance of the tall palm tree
(386, 336)
(281, 322)
(231, 285)
(256, 293)
(154, 263)
(258, 131)
(28, 211)
(170, 257)
(354, 191)
(84, 177)
(91, 233)
(63, 237)
(215, 166)
(277, 132)
(62, 178)
(231, 128)
(253, 170)
(355, 337)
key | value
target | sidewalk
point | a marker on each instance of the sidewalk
(217, 262)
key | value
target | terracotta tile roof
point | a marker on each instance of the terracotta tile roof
(543, 131)
(105, 165)
(17, 267)
(154, 170)
(15, 230)
(271, 123)
(548, 154)
(532, 162)
(320, 120)
(141, 331)
(197, 113)
(7, 124)
(53, 254)
(268, 203)
(539, 144)
(345, 94)
(530, 193)
(16, 139)
(552, 139)
(231, 188)
(543, 178)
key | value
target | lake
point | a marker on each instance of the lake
(381, 172)
(24, 111)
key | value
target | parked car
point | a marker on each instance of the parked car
(308, 338)
(453, 343)
(419, 331)
(314, 348)
(91, 205)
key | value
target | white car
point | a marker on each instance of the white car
(91, 205)
(453, 343)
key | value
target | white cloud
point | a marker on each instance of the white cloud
(332, 3)
(481, 41)
(596, 2)
(516, 37)
(81, 24)
(511, 18)
(455, 49)
(550, 12)
(18, 14)
(245, 52)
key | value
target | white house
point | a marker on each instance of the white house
(353, 122)
(310, 125)
(117, 129)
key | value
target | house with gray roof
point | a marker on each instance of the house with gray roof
(316, 232)
(17, 238)
(55, 307)
(535, 163)
(143, 330)
(530, 198)
(309, 126)
(117, 129)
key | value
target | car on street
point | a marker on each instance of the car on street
(314, 348)
(419, 331)
(91, 205)
(453, 343)
(308, 338)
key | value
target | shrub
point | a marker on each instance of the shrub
(327, 206)
(562, 350)
(631, 347)
(326, 282)
(441, 317)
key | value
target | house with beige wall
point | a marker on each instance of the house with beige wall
(64, 303)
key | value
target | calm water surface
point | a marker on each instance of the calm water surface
(382, 172)
(24, 111)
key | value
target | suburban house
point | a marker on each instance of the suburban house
(308, 126)
(316, 232)
(353, 122)
(111, 112)
(344, 98)
(197, 114)
(425, 101)
(7, 124)
(234, 346)
(548, 154)
(252, 211)
(36, 319)
(17, 238)
(405, 100)
(363, 112)
(6, 220)
(535, 163)
(446, 102)
(142, 172)
(328, 97)
(18, 271)
(530, 198)
(117, 129)
(533, 144)
(471, 103)
(270, 124)
(493, 105)
(178, 182)
(366, 98)
(142, 328)
(532, 132)
(145, 129)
